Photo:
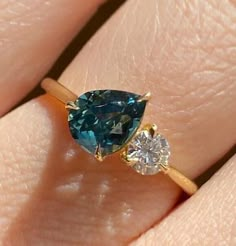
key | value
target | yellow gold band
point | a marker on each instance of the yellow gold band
(60, 92)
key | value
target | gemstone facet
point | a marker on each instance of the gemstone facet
(105, 120)
(148, 152)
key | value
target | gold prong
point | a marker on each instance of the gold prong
(130, 162)
(98, 154)
(145, 97)
(164, 167)
(151, 128)
(71, 105)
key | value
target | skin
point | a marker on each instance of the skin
(42, 27)
(53, 193)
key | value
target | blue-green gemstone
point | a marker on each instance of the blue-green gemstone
(105, 118)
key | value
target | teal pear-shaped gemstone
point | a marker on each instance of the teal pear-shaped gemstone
(105, 119)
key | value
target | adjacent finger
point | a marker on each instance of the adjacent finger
(32, 35)
(206, 219)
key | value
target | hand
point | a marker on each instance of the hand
(54, 193)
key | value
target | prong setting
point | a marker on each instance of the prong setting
(129, 161)
(71, 105)
(145, 97)
(164, 167)
(98, 154)
(151, 128)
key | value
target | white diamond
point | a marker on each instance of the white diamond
(148, 152)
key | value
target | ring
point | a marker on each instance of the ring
(104, 122)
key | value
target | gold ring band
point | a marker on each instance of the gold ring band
(131, 152)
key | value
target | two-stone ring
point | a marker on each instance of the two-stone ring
(107, 121)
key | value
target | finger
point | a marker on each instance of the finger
(206, 219)
(58, 194)
(110, 198)
(187, 69)
(32, 35)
